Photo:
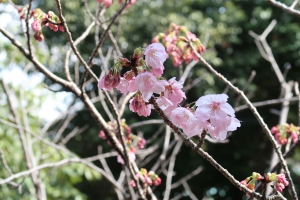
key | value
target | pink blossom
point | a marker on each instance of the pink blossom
(177, 59)
(141, 143)
(148, 84)
(157, 181)
(217, 114)
(157, 71)
(163, 102)
(36, 25)
(38, 36)
(294, 136)
(132, 183)
(169, 109)
(106, 3)
(195, 128)
(281, 182)
(102, 135)
(53, 27)
(184, 118)
(109, 81)
(214, 106)
(174, 92)
(156, 55)
(61, 28)
(127, 85)
(131, 157)
(138, 105)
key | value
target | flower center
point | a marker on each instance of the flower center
(215, 106)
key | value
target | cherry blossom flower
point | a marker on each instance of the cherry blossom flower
(163, 102)
(148, 84)
(283, 132)
(155, 56)
(185, 119)
(106, 3)
(281, 182)
(36, 25)
(141, 143)
(109, 81)
(220, 115)
(126, 85)
(157, 71)
(131, 157)
(169, 109)
(139, 106)
(214, 106)
(132, 183)
(173, 91)
(182, 117)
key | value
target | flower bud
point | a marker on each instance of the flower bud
(36, 25)
(109, 81)
(138, 53)
(157, 181)
(38, 36)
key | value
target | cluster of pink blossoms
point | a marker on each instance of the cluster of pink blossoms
(150, 178)
(278, 179)
(285, 131)
(131, 140)
(213, 113)
(176, 40)
(41, 20)
(107, 3)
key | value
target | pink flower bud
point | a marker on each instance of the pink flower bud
(106, 3)
(138, 105)
(53, 27)
(141, 143)
(36, 25)
(102, 135)
(157, 181)
(132, 183)
(109, 81)
(61, 28)
(38, 36)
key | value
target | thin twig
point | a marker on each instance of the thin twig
(170, 170)
(201, 139)
(189, 191)
(76, 42)
(146, 122)
(250, 79)
(27, 28)
(73, 133)
(294, 4)
(284, 7)
(5, 163)
(265, 103)
(298, 95)
(187, 177)
(58, 164)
